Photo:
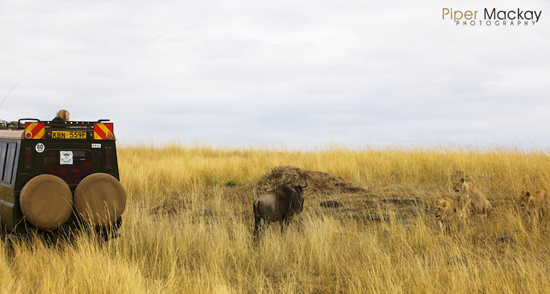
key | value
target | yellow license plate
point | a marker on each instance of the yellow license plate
(68, 135)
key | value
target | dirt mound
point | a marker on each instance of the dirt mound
(318, 182)
(319, 185)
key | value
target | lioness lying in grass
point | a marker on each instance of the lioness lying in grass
(535, 204)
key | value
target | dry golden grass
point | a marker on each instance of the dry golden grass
(323, 251)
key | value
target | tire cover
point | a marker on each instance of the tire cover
(100, 199)
(46, 201)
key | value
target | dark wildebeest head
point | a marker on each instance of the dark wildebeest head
(298, 198)
(279, 204)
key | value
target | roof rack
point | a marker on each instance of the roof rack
(60, 124)
(8, 125)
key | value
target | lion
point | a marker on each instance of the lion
(471, 199)
(444, 209)
(535, 204)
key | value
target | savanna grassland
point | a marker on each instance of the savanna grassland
(188, 227)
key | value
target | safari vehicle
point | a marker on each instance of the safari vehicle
(58, 177)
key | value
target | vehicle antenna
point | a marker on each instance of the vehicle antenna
(9, 93)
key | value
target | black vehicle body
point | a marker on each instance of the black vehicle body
(70, 150)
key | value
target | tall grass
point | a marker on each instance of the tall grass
(188, 251)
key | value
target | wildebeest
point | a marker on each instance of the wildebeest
(278, 205)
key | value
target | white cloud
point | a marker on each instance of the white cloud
(296, 73)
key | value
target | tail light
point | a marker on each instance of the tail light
(28, 158)
(108, 158)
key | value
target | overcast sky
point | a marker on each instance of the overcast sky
(298, 74)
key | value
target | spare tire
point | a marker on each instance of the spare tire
(46, 202)
(100, 199)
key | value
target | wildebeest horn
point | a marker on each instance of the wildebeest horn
(305, 185)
